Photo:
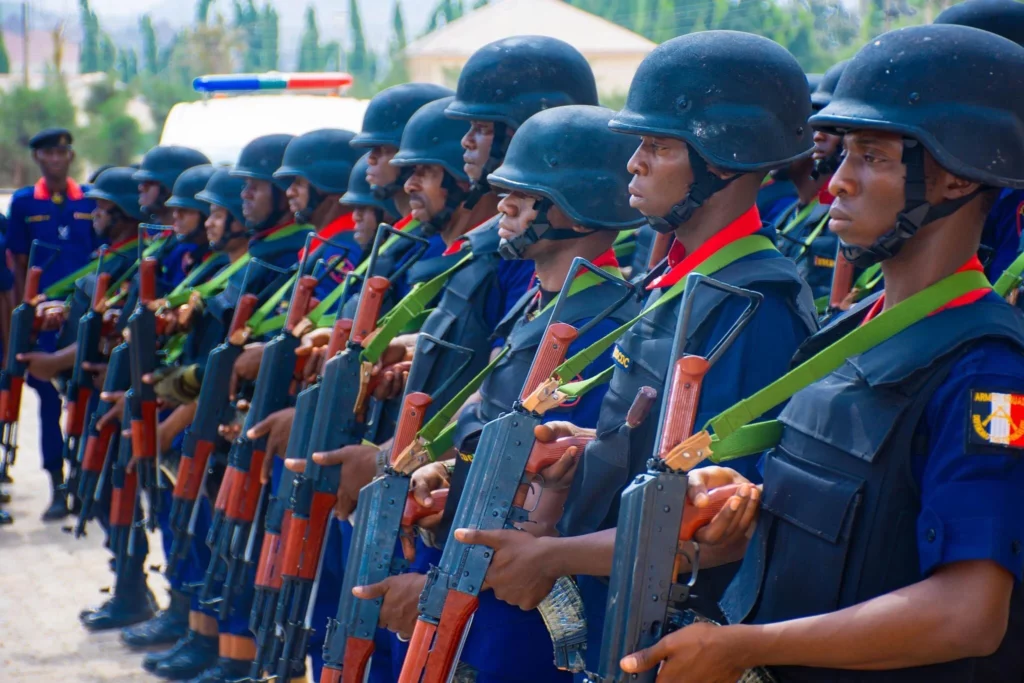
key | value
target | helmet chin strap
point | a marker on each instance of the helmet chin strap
(316, 198)
(499, 148)
(195, 233)
(385, 192)
(916, 213)
(540, 229)
(229, 234)
(704, 185)
(455, 198)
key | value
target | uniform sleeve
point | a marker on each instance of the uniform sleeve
(972, 507)
(757, 358)
(18, 241)
(584, 411)
(6, 276)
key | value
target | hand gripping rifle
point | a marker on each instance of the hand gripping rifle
(338, 421)
(201, 439)
(244, 493)
(508, 459)
(80, 387)
(142, 347)
(656, 520)
(385, 516)
(12, 379)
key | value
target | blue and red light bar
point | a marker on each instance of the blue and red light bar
(271, 81)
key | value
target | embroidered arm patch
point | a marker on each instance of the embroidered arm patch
(996, 420)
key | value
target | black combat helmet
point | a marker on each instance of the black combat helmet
(225, 190)
(324, 158)
(739, 101)
(118, 186)
(258, 161)
(510, 80)
(360, 193)
(822, 95)
(924, 84)
(163, 164)
(262, 157)
(1003, 17)
(431, 138)
(385, 119)
(189, 184)
(573, 160)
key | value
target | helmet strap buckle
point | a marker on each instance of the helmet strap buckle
(705, 184)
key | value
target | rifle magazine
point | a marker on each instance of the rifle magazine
(562, 612)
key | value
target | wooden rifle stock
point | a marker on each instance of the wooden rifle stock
(842, 282)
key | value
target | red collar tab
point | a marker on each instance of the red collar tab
(606, 260)
(343, 223)
(682, 264)
(123, 243)
(42, 191)
(456, 246)
(823, 194)
(973, 263)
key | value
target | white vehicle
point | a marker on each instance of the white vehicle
(221, 124)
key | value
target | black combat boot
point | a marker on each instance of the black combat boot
(164, 629)
(224, 671)
(131, 603)
(190, 656)
(59, 498)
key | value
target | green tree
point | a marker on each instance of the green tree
(269, 31)
(5, 60)
(362, 63)
(203, 10)
(310, 57)
(88, 56)
(26, 111)
(150, 50)
(397, 73)
(479, 3)
(107, 61)
(112, 136)
(127, 65)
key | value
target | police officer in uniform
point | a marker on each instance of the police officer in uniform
(368, 211)
(381, 135)
(189, 219)
(318, 166)
(702, 186)
(890, 535)
(802, 228)
(56, 211)
(565, 173)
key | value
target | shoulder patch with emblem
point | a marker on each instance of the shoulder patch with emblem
(621, 359)
(996, 419)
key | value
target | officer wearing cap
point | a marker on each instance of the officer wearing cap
(56, 211)
(890, 536)
(566, 176)
(701, 186)
(188, 216)
(1001, 239)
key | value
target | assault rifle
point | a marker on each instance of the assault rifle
(142, 347)
(96, 460)
(656, 520)
(340, 420)
(12, 379)
(507, 460)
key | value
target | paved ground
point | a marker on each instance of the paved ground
(46, 577)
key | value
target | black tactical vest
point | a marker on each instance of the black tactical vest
(840, 508)
(620, 453)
